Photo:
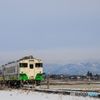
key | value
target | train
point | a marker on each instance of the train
(27, 70)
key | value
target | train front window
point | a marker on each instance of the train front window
(23, 65)
(38, 65)
(31, 66)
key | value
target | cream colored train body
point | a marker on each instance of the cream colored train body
(24, 69)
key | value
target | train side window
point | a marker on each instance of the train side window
(23, 65)
(31, 66)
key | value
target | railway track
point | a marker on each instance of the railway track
(75, 92)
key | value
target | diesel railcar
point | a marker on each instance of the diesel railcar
(25, 70)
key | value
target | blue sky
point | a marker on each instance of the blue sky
(58, 31)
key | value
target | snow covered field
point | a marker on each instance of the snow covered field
(29, 95)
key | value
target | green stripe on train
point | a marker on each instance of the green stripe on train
(23, 77)
(39, 77)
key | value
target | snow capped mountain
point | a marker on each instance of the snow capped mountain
(79, 68)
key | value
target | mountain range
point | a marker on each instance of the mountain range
(72, 69)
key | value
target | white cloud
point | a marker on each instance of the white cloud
(54, 55)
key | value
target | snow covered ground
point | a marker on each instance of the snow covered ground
(30, 95)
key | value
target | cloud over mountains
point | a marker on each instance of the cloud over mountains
(73, 69)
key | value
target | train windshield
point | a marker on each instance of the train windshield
(39, 65)
(23, 65)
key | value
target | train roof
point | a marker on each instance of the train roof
(23, 58)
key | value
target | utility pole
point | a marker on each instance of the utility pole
(48, 81)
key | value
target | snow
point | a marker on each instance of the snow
(31, 95)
